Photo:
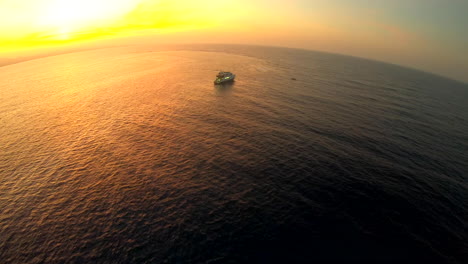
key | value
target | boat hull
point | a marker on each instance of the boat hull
(225, 80)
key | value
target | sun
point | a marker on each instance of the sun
(50, 23)
(66, 17)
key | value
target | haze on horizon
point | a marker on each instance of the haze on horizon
(425, 34)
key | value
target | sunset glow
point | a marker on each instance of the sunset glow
(68, 16)
(422, 34)
(46, 22)
(233, 131)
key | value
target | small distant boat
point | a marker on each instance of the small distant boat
(224, 77)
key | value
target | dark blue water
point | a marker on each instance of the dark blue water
(132, 155)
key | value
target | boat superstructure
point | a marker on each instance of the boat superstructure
(223, 77)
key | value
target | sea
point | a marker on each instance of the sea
(132, 155)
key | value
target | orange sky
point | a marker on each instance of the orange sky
(379, 30)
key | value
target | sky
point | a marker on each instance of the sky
(430, 35)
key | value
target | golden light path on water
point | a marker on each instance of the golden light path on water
(133, 154)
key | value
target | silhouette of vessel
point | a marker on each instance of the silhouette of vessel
(224, 77)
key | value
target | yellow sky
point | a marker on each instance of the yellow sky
(29, 19)
(32, 23)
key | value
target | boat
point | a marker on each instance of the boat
(224, 77)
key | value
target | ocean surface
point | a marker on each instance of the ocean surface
(132, 155)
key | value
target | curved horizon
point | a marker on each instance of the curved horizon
(424, 35)
(46, 54)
